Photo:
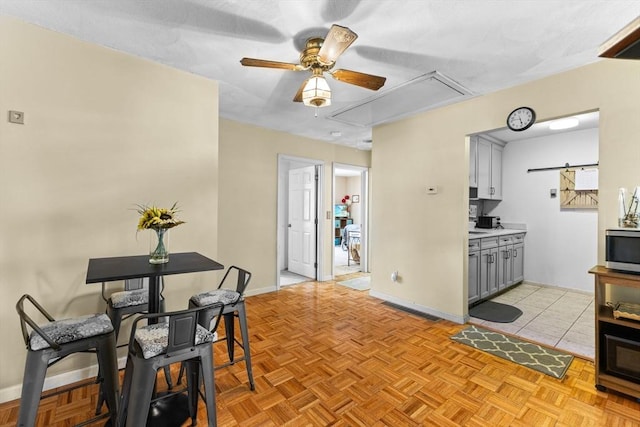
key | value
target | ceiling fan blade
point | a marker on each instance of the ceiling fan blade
(368, 81)
(337, 41)
(298, 97)
(252, 62)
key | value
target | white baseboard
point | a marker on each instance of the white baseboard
(545, 285)
(418, 307)
(263, 290)
(66, 378)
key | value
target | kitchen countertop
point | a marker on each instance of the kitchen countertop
(479, 233)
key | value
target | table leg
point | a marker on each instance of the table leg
(154, 294)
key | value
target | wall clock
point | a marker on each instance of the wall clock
(522, 118)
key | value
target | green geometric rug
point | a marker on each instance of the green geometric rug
(546, 360)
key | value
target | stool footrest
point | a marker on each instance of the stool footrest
(232, 362)
(93, 420)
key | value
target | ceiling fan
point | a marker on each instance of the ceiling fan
(319, 56)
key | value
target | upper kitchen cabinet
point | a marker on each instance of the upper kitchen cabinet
(489, 168)
(473, 162)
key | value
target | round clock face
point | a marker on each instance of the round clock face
(521, 118)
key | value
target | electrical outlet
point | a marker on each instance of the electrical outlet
(16, 117)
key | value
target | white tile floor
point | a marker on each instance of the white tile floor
(555, 317)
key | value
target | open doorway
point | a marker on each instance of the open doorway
(350, 201)
(299, 237)
(539, 200)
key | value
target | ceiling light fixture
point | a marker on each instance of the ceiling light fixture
(316, 92)
(568, 123)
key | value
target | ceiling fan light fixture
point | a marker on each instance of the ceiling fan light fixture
(337, 41)
(316, 92)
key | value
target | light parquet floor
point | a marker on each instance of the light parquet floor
(327, 355)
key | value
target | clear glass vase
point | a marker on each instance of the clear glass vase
(159, 246)
(628, 216)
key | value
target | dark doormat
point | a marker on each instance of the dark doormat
(411, 311)
(495, 312)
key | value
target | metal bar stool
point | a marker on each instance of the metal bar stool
(49, 343)
(156, 345)
(233, 307)
(122, 304)
(134, 299)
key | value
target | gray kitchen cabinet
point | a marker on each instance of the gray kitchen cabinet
(518, 263)
(473, 161)
(495, 264)
(474, 271)
(505, 263)
(488, 267)
(510, 261)
(489, 169)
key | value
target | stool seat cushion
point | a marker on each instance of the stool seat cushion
(69, 330)
(129, 298)
(225, 296)
(153, 339)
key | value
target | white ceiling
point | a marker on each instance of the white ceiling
(483, 45)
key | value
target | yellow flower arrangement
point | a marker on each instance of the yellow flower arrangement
(155, 218)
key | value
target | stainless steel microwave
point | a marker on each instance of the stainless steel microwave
(622, 249)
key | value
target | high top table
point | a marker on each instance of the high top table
(133, 267)
(167, 412)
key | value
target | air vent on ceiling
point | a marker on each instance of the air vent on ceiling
(625, 44)
(422, 93)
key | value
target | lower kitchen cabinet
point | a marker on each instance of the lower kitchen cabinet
(488, 267)
(517, 269)
(495, 264)
(505, 251)
(474, 271)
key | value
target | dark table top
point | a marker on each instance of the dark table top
(131, 267)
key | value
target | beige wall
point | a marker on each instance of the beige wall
(430, 240)
(103, 131)
(248, 195)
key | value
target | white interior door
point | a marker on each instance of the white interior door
(302, 221)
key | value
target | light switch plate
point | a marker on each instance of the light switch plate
(16, 117)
